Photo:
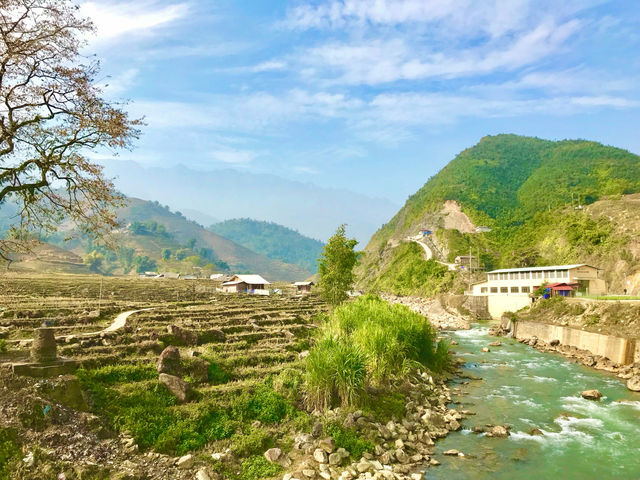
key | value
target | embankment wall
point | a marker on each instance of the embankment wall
(617, 349)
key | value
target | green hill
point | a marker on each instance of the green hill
(272, 240)
(530, 192)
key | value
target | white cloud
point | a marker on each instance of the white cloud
(113, 20)
(269, 66)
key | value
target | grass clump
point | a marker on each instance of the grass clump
(9, 452)
(111, 374)
(264, 404)
(253, 442)
(349, 439)
(368, 340)
(3, 346)
(258, 467)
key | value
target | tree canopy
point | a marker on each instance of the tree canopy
(336, 267)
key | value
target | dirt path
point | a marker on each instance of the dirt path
(119, 322)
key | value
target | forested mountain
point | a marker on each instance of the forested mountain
(272, 240)
(534, 194)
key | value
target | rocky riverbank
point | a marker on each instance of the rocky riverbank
(630, 373)
(441, 316)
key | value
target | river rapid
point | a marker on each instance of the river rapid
(527, 389)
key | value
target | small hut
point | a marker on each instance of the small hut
(303, 287)
(247, 284)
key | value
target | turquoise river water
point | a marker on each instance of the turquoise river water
(527, 389)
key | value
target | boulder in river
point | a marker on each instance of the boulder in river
(536, 431)
(497, 343)
(498, 431)
(633, 383)
(592, 394)
(485, 349)
(453, 452)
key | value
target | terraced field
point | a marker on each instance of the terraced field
(242, 340)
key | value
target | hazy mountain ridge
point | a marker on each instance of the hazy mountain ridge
(314, 211)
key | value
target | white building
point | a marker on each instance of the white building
(246, 283)
(509, 289)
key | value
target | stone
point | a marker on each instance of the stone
(485, 349)
(327, 444)
(169, 361)
(185, 461)
(203, 475)
(363, 466)
(335, 458)
(454, 425)
(554, 342)
(178, 387)
(417, 476)
(303, 354)
(66, 390)
(536, 431)
(349, 421)
(399, 444)
(273, 454)
(401, 456)
(499, 431)
(320, 456)
(219, 456)
(452, 453)
(633, 383)
(309, 473)
(497, 343)
(316, 431)
(434, 462)
(183, 335)
(592, 394)
(43, 346)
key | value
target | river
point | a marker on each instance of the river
(527, 389)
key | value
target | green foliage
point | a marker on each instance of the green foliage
(288, 383)
(151, 228)
(9, 451)
(217, 375)
(258, 467)
(3, 346)
(125, 258)
(272, 240)
(368, 340)
(166, 253)
(408, 273)
(94, 260)
(253, 442)
(264, 404)
(336, 267)
(110, 374)
(349, 439)
(144, 264)
(386, 405)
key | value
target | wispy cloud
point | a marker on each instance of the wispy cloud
(113, 20)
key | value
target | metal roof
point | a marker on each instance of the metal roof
(541, 269)
(249, 279)
(303, 284)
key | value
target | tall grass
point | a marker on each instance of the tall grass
(368, 340)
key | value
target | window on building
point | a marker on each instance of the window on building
(551, 274)
(503, 276)
(504, 289)
(513, 276)
(564, 274)
(525, 289)
(527, 275)
(494, 289)
(515, 289)
(483, 290)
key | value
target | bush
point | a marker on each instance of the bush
(3, 345)
(264, 404)
(254, 442)
(9, 452)
(349, 439)
(288, 383)
(258, 467)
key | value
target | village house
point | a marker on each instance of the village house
(303, 287)
(254, 284)
(510, 289)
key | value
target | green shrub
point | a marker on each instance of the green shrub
(254, 442)
(3, 345)
(9, 452)
(264, 404)
(288, 383)
(258, 467)
(386, 405)
(349, 439)
(217, 375)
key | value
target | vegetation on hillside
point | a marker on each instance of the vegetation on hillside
(272, 240)
(531, 192)
(368, 342)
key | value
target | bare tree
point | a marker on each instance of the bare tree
(52, 115)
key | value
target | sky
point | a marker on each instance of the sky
(373, 96)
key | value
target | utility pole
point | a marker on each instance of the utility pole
(100, 296)
(470, 268)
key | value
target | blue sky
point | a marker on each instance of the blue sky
(370, 95)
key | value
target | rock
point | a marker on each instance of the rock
(212, 335)
(182, 335)
(178, 387)
(536, 431)
(401, 456)
(320, 456)
(169, 361)
(334, 458)
(497, 343)
(307, 472)
(273, 454)
(592, 395)
(202, 475)
(454, 425)
(327, 444)
(417, 476)
(554, 342)
(434, 462)
(452, 453)
(485, 349)
(303, 354)
(633, 383)
(399, 443)
(364, 466)
(349, 421)
(499, 431)
(316, 431)
(185, 462)
(219, 456)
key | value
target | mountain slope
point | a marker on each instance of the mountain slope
(527, 191)
(272, 240)
(312, 210)
(239, 258)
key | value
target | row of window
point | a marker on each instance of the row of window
(506, 289)
(529, 275)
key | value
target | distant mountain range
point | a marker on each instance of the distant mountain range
(272, 240)
(224, 194)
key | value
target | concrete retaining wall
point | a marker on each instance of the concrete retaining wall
(478, 305)
(620, 350)
(498, 304)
